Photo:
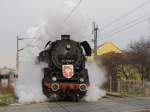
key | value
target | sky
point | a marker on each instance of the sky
(17, 16)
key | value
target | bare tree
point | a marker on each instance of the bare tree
(140, 57)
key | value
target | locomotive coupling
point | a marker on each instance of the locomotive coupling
(55, 86)
(83, 87)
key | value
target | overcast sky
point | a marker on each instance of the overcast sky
(16, 16)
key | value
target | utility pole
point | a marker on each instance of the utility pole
(95, 31)
(17, 55)
(18, 50)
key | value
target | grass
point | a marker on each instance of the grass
(7, 96)
(126, 94)
(6, 99)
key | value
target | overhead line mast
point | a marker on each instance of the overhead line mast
(95, 33)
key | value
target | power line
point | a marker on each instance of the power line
(68, 16)
(126, 24)
(125, 15)
(119, 31)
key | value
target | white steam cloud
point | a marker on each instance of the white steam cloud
(29, 83)
(59, 21)
(97, 78)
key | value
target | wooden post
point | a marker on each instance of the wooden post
(110, 84)
(119, 88)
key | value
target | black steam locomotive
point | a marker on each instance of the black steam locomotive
(66, 75)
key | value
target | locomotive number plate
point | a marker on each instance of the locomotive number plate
(68, 71)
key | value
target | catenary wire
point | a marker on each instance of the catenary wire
(126, 28)
(125, 15)
(128, 23)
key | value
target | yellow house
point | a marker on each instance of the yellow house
(105, 48)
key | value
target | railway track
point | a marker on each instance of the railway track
(127, 104)
(58, 108)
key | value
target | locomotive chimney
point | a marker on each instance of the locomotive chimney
(65, 37)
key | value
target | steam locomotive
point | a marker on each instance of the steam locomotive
(66, 75)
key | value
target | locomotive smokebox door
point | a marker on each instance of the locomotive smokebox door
(67, 71)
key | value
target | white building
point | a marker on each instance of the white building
(7, 76)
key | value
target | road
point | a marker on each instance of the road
(130, 104)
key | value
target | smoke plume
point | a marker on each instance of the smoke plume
(60, 19)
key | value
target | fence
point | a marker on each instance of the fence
(130, 86)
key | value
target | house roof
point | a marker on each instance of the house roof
(107, 47)
(4, 71)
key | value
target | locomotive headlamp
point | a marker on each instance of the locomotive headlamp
(68, 46)
(81, 80)
(54, 78)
